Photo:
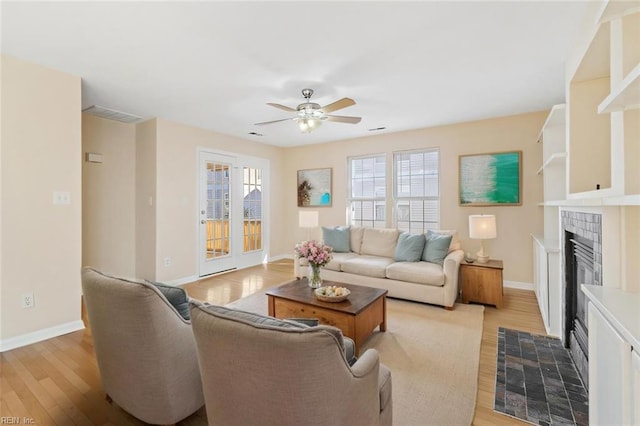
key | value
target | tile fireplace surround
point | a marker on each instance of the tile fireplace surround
(586, 227)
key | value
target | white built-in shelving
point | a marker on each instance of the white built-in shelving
(625, 96)
(546, 247)
(603, 134)
(604, 109)
(553, 157)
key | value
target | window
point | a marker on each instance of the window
(416, 190)
(367, 191)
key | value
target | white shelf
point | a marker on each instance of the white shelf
(556, 117)
(626, 96)
(617, 8)
(550, 245)
(622, 200)
(551, 159)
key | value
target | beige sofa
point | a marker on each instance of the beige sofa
(370, 262)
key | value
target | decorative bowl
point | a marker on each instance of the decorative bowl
(332, 293)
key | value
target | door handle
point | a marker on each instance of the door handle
(203, 221)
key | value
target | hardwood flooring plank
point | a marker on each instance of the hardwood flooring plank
(68, 373)
(33, 407)
(95, 408)
(65, 404)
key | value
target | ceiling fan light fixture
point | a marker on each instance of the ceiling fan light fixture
(310, 115)
(309, 124)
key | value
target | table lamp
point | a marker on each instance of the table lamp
(482, 227)
(308, 219)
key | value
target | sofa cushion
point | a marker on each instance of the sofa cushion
(369, 266)
(417, 272)
(356, 238)
(177, 296)
(455, 241)
(436, 247)
(338, 237)
(379, 242)
(338, 259)
(409, 248)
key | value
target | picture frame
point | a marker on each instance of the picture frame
(492, 179)
(314, 187)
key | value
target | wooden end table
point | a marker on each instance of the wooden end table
(357, 317)
(482, 282)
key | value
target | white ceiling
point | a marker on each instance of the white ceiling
(215, 65)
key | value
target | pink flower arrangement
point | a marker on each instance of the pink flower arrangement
(316, 253)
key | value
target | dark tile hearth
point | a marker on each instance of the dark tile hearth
(536, 381)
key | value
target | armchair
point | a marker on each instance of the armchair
(145, 349)
(261, 370)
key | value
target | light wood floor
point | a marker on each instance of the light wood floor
(56, 382)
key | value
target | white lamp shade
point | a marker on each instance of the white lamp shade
(307, 219)
(482, 226)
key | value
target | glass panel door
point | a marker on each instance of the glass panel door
(252, 204)
(233, 212)
(216, 221)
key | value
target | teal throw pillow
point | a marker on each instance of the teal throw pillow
(409, 247)
(339, 238)
(177, 296)
(436, 248)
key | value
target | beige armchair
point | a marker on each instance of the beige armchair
(258, 370)
(145, 349)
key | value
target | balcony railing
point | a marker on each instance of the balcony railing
(218, 236)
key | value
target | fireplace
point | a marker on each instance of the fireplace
(582, 265)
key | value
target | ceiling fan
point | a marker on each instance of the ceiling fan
(310, 115)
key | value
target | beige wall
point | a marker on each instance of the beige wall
(156, 192)
(177, 216)
(41, 242)
(108, 196)
(165, 185)
(146, 197)
(515, 223)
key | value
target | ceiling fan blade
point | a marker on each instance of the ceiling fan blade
(344, 119)
(274, 121)
(284, 107)
(342, 103)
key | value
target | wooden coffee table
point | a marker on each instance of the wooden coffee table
(357, 317)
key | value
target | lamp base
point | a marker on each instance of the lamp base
(481, 257)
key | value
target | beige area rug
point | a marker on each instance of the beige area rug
(433, 355)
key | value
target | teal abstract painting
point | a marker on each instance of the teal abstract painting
(491, 179)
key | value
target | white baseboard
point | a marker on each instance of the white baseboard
(182, 281)
(518, 285)
(40, 335)
(280, 257)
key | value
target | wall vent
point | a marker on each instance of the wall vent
(111, 114)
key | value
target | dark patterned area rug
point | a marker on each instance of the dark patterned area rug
(537, 382)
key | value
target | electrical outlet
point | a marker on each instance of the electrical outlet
(61, 197)
(167, 261)
(27, 300)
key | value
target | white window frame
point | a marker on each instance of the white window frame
(380, 201)
(415, 226)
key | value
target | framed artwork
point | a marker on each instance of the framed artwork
(493, 179)
(314, 188)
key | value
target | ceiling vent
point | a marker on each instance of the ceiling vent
(111, 114)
